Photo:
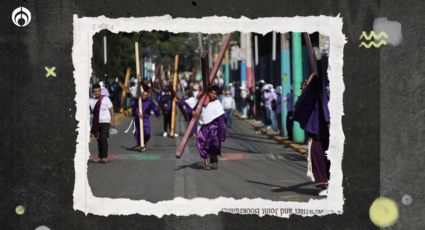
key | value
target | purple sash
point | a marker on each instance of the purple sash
(96, 112)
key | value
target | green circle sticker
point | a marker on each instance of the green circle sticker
(20, 210)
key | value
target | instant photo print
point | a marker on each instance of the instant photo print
(183, 174)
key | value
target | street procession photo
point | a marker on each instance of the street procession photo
(209, 115)
(192, 116)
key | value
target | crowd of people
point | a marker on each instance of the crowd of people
(263, 103)
(157, 98)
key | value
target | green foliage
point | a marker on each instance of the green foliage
(160, 46)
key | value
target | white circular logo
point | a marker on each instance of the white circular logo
(406, 200)
(21, 16)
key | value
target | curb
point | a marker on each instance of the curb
(120, 116)
(277, 138)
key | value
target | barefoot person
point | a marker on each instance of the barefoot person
(103, 118)
(212, 130)
(147, 106)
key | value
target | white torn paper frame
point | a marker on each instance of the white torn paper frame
(86, 27)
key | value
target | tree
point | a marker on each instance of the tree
(160, 46)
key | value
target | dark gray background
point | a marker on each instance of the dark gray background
(402, 94)
(382, 105)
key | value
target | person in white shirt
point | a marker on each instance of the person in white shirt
(244, 101)
(133, 88)
(103, 119)
(268, 97)
(229, 106)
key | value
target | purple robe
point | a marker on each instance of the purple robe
(311, 111)
(289, 104)
(181, 104)
(212, 130)
(96, 112)
(210, 136)
(158, 97)
(147, 106)
(320, 164)
(187, 112)
(279, 104)
(166, 102)
(187, 109)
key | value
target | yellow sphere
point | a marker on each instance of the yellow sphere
(383, 212)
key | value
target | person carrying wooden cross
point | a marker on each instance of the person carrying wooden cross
(312, 113)
(142, 107)
(212, 129)
(147, 106)
(207, 130)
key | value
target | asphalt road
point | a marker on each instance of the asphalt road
(251, 166)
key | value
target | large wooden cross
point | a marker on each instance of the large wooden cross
(124, 88)
(212, 74)
(175, 99)
(173, 107)
(315, 74)
(205, 70)
(139, 93)
(311, 57)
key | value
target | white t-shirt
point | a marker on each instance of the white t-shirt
(244, 94)
(191, 101)
(228, 103)
(104, 115)
(133, 91)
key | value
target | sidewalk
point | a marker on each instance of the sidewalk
(302, 149)
(120, 116)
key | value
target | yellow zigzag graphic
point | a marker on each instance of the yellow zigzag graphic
(372, 43)
(372, 34)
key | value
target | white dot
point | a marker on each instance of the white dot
(42, 227)
(406, 200)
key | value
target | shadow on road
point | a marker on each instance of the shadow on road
(134, 148)
(294, 188)
(238, 150)
(196, 165)
(264, 141)
(294, 157)
(245, 136)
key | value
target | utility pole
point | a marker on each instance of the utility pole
(298, 78)
(285, 79)
(243, 60)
